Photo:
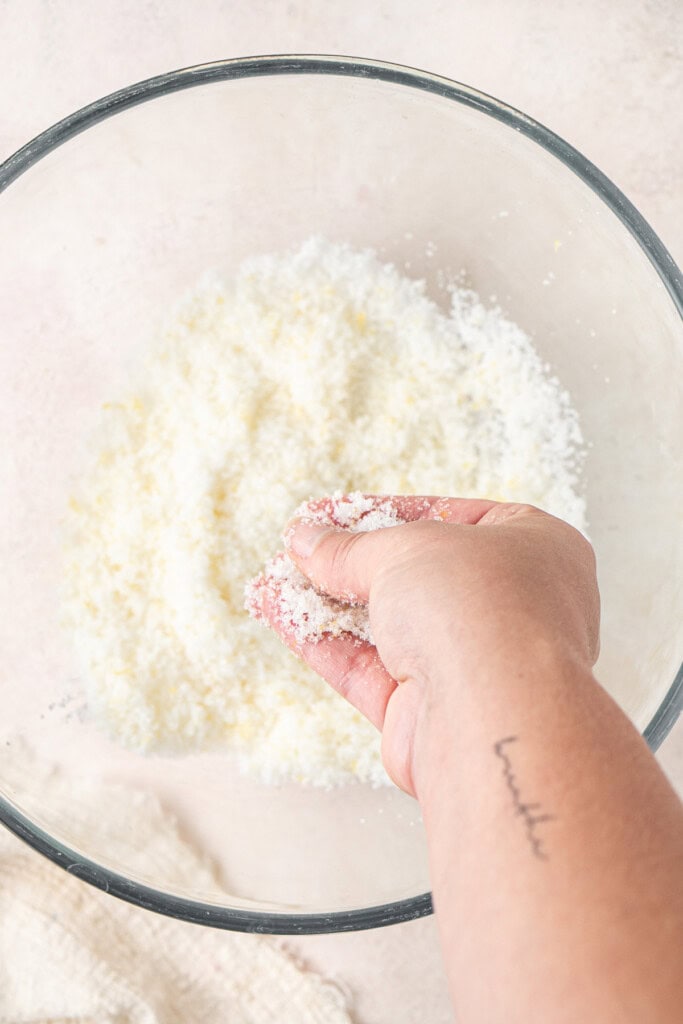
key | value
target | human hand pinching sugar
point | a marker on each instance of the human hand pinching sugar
(396, 598)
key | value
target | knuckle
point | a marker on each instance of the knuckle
(529, 512)
(595, 645)
(506, 511)
(583, 547)
(352, 675)
(341, 554)
(346, 683)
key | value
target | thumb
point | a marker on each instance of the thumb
(340, 563)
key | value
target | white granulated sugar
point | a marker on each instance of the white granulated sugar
(318, 371)
(308, 615)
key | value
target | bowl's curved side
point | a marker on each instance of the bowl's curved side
(667, 714)
(233, 919)
(311, 64)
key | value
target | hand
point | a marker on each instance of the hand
(564, 855)
(463, 588)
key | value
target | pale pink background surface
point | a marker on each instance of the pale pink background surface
(606, 75)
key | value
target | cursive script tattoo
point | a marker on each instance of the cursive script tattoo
(531, 814)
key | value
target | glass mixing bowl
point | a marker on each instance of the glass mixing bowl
(105, 217)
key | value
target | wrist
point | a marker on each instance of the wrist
(480, 696)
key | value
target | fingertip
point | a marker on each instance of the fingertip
(254, 594)
(301, 538)
(289, 531)
(349, 665)
(459, 511)
(262, 603)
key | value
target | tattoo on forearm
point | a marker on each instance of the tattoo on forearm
(531, 814)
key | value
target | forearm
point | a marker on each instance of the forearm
(556, 844)
(556, 848)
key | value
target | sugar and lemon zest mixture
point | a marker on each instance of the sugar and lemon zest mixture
(319, 370)
(308, 615)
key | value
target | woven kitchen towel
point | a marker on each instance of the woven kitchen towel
(70, 954)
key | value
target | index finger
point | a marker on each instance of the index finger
(463, 511)
(408, 507)
(343, 561)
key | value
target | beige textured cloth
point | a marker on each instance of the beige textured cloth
(69, 953)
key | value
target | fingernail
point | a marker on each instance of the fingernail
(303, 538)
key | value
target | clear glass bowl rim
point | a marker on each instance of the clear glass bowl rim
(313, 64)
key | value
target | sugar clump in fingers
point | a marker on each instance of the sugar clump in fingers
(306, 614)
